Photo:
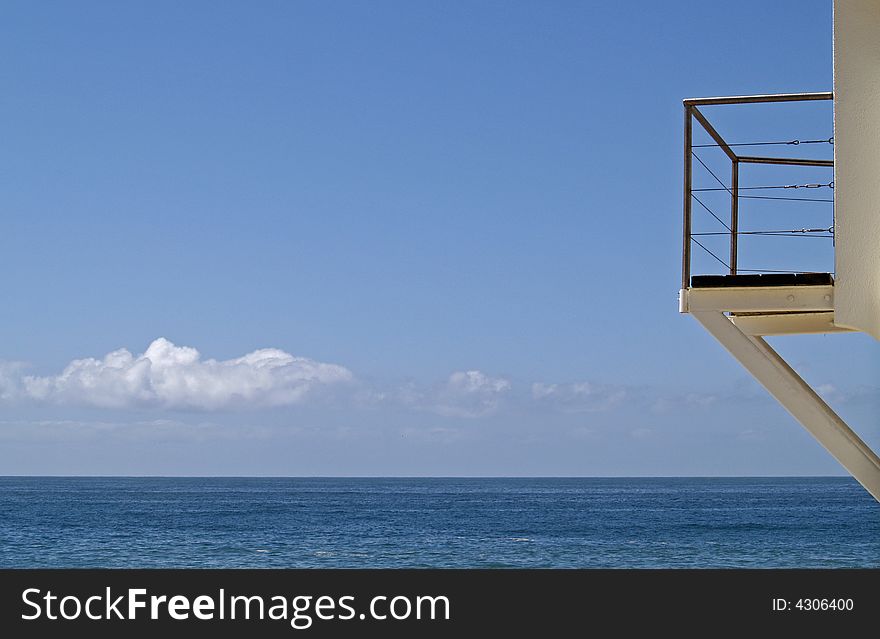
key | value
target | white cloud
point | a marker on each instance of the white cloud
(468, 382)
(581, 397)
(862, 393)
(10, 380)
(470, 394)
(464, 394)
(669, 403)
(751, 435)
(434, 435)
(170, 376)
(829, 392)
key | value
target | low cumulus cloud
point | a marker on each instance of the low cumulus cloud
(170, 377)
(176, 377)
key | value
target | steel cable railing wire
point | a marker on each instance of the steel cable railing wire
(711, 212)
(790, 199)
(702, 246)
(788, 142)
(821, 233)
(788, 233)
(830, 185)
(760, 197)
(712, 173)
(744, 270)
(785, 232)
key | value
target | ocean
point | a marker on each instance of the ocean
(464, 523)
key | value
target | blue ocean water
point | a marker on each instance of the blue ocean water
(323, 523)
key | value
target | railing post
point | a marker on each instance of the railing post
(734, 213)
(686, 225)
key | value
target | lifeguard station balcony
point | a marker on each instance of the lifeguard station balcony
(760, 300)
(740, 301)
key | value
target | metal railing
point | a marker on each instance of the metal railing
(691, 113)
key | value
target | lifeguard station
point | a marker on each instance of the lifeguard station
(738, 307)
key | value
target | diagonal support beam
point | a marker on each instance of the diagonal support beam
(798, 398)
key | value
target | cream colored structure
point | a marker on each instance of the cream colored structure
(857, 165)
(738, 316)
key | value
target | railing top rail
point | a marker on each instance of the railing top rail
(750, 159)
(754, 99)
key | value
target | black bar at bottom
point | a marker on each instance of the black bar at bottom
(762, 279)
(416, 603)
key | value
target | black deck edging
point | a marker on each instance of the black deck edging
(762, 279)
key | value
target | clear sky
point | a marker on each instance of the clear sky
(386, 238)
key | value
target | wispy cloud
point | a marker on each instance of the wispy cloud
(470, 394)
(466, 394)
(176, 377)
(580, 397)
(10, 379)
(834, 395)
(668, 403)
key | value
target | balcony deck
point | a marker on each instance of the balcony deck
(762, 279)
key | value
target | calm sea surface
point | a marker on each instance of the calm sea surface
(644, 523)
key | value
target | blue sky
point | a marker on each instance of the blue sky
(454, 229)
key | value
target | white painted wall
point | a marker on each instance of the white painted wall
(857, 164)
